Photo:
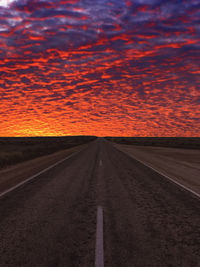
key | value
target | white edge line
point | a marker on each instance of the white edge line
(166, 176)
(37, 174)
(99, 252)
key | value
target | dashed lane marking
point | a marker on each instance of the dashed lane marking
(99, 253)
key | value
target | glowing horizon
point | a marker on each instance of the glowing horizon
(113, 68)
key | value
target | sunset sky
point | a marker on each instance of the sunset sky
(100, 67)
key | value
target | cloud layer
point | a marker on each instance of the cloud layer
(102, 67)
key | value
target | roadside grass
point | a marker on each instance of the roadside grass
(17, 149)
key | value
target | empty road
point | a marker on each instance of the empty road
(146, 219)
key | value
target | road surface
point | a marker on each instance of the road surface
(182, 165)
(147, 220)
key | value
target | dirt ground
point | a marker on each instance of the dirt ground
(10, 176)
(183, 165)
(148, 221)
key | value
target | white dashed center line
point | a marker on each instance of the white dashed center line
(100, 163)
(99, 253)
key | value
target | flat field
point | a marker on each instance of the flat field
(176, 142)
(19, 149)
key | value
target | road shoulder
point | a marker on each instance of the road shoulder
(11, 176)
(180, 165)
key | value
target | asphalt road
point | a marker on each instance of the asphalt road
(147, 220)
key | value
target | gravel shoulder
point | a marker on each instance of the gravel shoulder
(15, 174)
(182, 165)
(51, 220)
(148, 221)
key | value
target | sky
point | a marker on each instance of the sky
(100, 67)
